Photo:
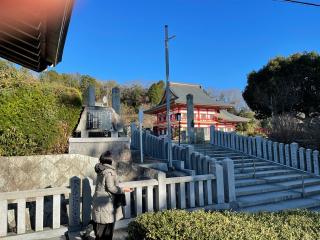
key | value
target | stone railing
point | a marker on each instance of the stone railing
(185, 157)
(20, 199)
(290, 155)
(188, 192)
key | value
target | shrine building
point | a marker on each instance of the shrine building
(207, 111)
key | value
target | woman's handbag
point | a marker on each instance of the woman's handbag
(120, 200)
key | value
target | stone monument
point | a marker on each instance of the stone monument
(190, 119)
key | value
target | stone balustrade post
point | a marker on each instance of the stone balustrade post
(270, 150)
(276, 152)
(287, 154)
(218, 187)
(281, 153)
(302, 159)
(161, 192)
(74, 205)
(316, 162)
(250, 146)
(294, 154)
(87, 194)
(264, 148)
(212, 130)
(189, 151)
(308, 160)
(229, 180)
(259, 146)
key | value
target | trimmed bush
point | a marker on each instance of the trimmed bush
(35, 117)
(201, 225)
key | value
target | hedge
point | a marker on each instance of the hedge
(201, 225)
(36, 118)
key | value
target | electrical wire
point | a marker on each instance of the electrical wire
(300, 2)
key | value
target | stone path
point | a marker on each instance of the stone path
(265, 186)
(120, 234)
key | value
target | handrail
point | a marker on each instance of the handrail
(34, 193)
(142, 183)
(185, 179)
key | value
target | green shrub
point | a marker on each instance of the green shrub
(35, 117)
(201, 225)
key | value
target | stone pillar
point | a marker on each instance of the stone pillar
(190, 119)
(275, 152)
(233, 141)
(189, 151)
(116, 99)
(161, 192)
(87, 193)
(301, 159)
(264, 148)
(229, 180)
(91, 96)
(258, 145)
(308, 160)
(212, 130)
(245, 144)
(294, 154)
(74, 205)
(281, 153)
(218, 187)
(254, 147)
(250, 146)
(287, 154)
(270, 150)
(316, 162)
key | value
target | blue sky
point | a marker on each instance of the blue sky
(218, 42)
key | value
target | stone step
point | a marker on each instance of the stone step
(300, 203)
(257, 169)
(267, 198)
(250, 164)
(272, 179)
(277, 196)
(264, 174)
(271, 187)
(240, 160)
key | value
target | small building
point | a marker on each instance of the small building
(207, 111)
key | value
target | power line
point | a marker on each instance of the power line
(300, 2)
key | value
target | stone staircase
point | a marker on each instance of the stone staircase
(266, 186)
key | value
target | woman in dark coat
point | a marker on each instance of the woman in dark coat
(105, 211)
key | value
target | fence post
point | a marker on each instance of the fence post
(245, 145)
(258, 146)
(275, 152)
(270, 150)
(308, 159)
(281, 153)
(229, 180)
(264, 148)
(294, 154)
(287, 154)
(218, 187)
(302, 158)
(74, 204)
(212, 129)
(162, 192)
(316, 162)
(250, 146)
(189, 151)
(87, 193)
(4, 217)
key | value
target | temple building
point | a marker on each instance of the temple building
(207, 111)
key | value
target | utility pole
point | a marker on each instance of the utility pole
(168, 95)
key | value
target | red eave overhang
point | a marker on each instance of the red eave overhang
(162, 108)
